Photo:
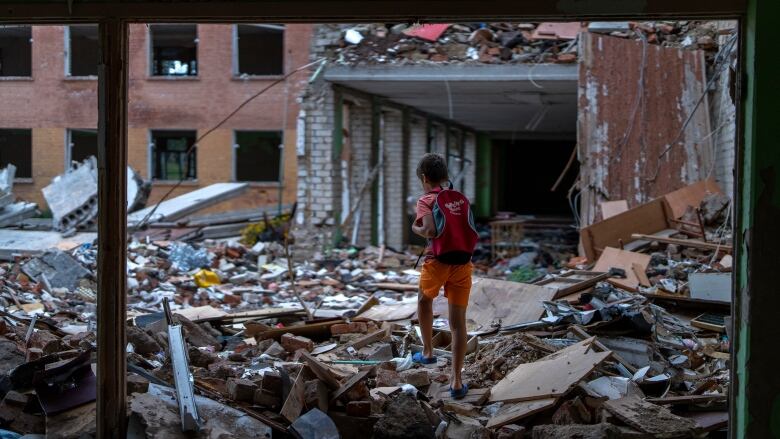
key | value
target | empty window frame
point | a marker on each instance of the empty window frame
(258, 156)
(82, 50)
(16, 149)
(258, 49)
(169, 158)
(15, 51)
(174, 49)
(82, 144)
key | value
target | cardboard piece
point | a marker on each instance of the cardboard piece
(613, 257)
(551, 376)
(647, 219)
(612, 208)
(691, 195)
(511, 303)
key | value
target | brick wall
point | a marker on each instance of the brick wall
(394, 221)
(50, 103)
(360, 163)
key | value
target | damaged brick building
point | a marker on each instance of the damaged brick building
(184, 79)
(517, 109)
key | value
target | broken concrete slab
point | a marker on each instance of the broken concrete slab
(13, 213)
(35, 243)
(72, 196)
(404, 418)
(188, 203)
(58, 268)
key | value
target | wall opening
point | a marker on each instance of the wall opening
(260, 49)
(83, 51)
(82, 144)
(524, 171)
(258, 155)
(16, 149)
(170, 159)
(15, 51)
(174, 49)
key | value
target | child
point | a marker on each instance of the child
(444, 217)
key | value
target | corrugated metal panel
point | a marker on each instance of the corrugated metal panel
(634, 101)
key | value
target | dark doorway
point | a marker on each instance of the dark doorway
(526, 170)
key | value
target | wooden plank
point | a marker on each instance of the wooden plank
(551, 376)
(572, 282)
(613, 257)
(370, 338)
(511, 303)
(612, 208)
(261, 332)
(352, 382)
(691, 195)
(293, 406)
(322, 371)
(395, 286)
(647, 218)
(473, 396)
(112, 229)
(641, 273)
(695, 243)
(650, 418)
(688, 399)
(511, 413)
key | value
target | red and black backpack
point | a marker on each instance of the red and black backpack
(456, 235)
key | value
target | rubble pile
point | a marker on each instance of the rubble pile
(12, 211)
(237, 339)
(500, 43)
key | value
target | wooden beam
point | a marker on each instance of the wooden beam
(112, 229)
(685, 242)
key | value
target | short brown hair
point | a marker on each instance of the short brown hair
(433, 166)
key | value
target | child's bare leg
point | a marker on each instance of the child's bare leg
(425, 315)
(458, 329)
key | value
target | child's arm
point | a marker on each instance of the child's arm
(424, 227)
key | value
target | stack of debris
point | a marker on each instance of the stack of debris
(10, 211)
(504, 42)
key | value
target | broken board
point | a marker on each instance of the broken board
(293, 406)
(691, 195)
(511, 303)
(650, 418)
(612, 208)
(549, 377)
(648, 218)
(389, 313)
(572, 282)
(511, 413)
(473, 396)
(188, 203)
(613, 257)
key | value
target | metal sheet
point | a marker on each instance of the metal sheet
(634, 101)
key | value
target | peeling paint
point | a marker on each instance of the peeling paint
(624, 136)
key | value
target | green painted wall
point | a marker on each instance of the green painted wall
(484, 200)
(756, 377)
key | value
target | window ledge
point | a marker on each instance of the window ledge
(241, 78)
(81, 78)
(24, 181)
(16, 78)
(172, 78)
(262, 184)
(174, 182)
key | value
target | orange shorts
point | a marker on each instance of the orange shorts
(456, 280)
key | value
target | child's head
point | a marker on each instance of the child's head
(432, 170)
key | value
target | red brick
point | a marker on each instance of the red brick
(47, 342)
(511, 431)
(292, 343)
(137, 384)
(359, 408)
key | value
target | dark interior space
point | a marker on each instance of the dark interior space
(170, 160)
(525, 171)
(260, 49)
(15, 50)
(16, 149)
(84, 50)
(174, 49)
(83, 144)
(258, 155)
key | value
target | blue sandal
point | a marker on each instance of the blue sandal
(460, 393)
(419, 359)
